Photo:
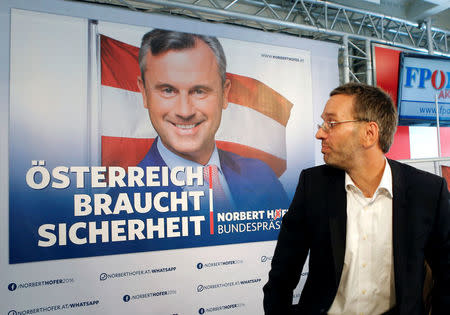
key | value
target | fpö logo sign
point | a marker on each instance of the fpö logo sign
(422, 78)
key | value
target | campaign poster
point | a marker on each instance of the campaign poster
(121, 196)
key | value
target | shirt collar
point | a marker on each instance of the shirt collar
(172, 160)
(385, 183)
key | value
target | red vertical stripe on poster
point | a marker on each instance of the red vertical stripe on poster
(211, 223)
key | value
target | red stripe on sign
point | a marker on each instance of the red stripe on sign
(277, 164)
(120, 69)
(211, 223)
(119, 64)
(260, 97)
(124, 152)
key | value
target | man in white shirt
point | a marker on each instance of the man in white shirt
(367, 222)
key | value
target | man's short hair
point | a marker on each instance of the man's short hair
(373, 104)
(159, 41)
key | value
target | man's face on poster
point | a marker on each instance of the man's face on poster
(185, 96)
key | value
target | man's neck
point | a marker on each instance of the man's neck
(173, 159)
(367, 173)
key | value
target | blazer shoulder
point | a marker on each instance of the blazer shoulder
(152, 157)
(323, 170)
(243, 165)
(413, 175)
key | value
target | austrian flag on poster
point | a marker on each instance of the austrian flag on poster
(251, 102)
(142, 195)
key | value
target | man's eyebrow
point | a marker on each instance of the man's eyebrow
(160, 86)
(201, 87)
(327, 115)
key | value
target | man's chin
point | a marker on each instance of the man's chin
(331, 162)
(191, 153)
(185, 152)
(336, 164)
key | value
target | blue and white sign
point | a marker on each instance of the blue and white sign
(423, 81)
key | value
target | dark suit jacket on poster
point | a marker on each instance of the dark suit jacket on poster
(252, 183)
(316, 222)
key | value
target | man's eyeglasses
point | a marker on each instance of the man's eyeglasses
(328, 125)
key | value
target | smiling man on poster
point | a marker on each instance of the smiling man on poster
(184, 88)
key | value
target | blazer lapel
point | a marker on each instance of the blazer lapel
(399, 226)
(154, 158)
(240, 186)
(337, 207)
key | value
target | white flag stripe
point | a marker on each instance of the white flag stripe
(241, 124)
(126, 116)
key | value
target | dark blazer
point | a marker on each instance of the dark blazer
(253, 185)
(316, 222)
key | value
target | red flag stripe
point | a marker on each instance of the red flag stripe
(278, 165)
(124, 152)
(119, 64)
(120, 69)
(258, 96)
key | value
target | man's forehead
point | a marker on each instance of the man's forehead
(200, 49)
(338, 106)
(196, 66)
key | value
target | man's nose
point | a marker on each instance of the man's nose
(320, 134)
(184, 106)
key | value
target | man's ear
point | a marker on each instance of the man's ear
(371, 134)
(226, 91)
(141, 87)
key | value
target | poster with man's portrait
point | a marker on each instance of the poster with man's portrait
(191, 144)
